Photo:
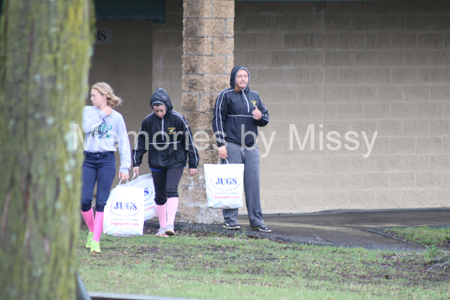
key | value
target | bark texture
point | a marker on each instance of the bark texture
(45, 47)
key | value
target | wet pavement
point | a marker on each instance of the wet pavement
(355, 228)
(358, 228)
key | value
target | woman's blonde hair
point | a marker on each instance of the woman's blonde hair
(105, 89)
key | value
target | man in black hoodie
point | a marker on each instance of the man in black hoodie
(237, 114)
(166, 135)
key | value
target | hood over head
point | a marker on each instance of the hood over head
(159, 97)
(233, 75)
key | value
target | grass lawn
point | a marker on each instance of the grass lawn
(428, 236)
(212, 266)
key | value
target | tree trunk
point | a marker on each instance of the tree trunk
(45, 46)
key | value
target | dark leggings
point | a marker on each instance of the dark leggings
(100, 168)
(166, 184)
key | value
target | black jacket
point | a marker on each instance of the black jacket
(232, 110)
(174, 146)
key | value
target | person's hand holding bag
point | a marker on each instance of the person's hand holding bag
(123, 176)
(223, 153)
(136, 170)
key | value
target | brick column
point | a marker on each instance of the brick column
(208, 45)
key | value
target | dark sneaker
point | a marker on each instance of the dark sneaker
(231, 226)
(262, 228)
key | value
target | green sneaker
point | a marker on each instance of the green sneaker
(95, 247)
(89, 239)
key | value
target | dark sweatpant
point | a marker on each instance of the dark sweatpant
(250, 159)
(166, 184)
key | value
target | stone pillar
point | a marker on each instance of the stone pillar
(208, 45)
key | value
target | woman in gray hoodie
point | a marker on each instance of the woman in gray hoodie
(104, 128)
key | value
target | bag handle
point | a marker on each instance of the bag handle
(121, 182)
(225, 159)
(128, 181)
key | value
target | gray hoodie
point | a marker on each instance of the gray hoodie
(103, 132)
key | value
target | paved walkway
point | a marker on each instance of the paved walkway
(340, 228)
(355, 228)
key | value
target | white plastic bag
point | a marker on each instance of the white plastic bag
(146, 182)
(124, 211)
(224, 183)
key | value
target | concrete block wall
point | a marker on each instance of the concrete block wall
(372, 66)
(208, 44)
(126, 65)
(167, 52)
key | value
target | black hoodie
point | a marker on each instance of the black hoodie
(234, 109)
(168, 150)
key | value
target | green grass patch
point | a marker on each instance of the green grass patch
(424, 235)
(213, 266)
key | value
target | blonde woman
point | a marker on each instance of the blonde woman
(104, 128)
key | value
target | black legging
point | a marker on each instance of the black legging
(166, 184)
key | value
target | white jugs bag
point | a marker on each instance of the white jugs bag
(124, 211)
(224, 185)
(146, 182)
